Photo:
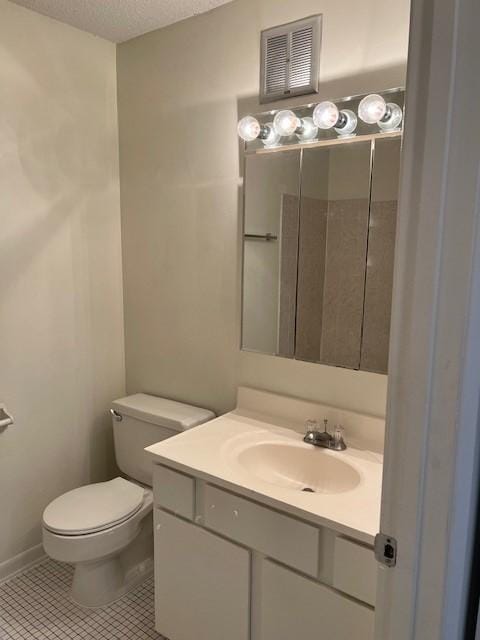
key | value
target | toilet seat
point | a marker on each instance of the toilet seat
(93, 508)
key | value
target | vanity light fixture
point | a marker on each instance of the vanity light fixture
(373, 109)
(250, 129)
(309, 130)
(286, 123)
(272, 138)
(326, 115)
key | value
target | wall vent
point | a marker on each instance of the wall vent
(290, 59)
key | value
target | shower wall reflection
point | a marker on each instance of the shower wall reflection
(318, 288)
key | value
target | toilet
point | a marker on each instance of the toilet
(105, 529)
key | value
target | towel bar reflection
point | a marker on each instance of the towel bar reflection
(268, 237)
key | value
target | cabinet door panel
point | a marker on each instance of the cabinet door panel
(201, 583)
(296, 607)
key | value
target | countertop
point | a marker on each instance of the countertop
(211, 451)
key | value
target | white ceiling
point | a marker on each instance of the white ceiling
(120, 20)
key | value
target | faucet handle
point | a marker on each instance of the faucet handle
(338, 441)
(311, 425)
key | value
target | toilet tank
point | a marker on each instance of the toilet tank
(141, 420)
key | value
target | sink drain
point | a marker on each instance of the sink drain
(308, 490)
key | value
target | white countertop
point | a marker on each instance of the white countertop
(210, 452)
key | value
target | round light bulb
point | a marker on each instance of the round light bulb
(249, 128)
(349, 123)
(372, 108)
(395, 116)
(272, 138)
(309, 130)
(286, 123)
(326, 115)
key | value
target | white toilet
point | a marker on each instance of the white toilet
(105, 529)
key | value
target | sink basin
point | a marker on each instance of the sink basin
(299, 467)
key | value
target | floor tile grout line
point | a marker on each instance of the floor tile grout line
(35, 605)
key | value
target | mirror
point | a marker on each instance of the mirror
(319, 237)
(271, 207)
(381, 254)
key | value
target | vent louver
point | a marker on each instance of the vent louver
(276, 64)
(290, 59)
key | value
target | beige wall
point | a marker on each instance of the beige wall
(61, 325)
(181, 92)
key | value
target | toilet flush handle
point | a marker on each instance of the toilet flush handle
(116, 416)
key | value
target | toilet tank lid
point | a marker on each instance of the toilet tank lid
(160, 411)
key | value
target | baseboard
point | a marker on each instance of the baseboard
(24, 560)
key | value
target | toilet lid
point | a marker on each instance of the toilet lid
(94, 507)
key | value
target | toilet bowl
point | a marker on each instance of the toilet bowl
(105, 529)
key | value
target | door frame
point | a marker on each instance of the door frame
(431, 468)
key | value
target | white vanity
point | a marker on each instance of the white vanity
(256, 530)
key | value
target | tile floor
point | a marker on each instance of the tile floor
(35, 606)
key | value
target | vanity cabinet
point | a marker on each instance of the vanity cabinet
(273, 534)
(290, 602)
(174, 491)
(202, 583)
(229, 567)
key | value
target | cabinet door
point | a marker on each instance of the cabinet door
(292, 606)
(201, 583)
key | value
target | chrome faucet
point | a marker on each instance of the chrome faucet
(324, 439)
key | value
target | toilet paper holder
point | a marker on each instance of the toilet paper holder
(5, 418)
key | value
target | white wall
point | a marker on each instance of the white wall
(181, 92)
(61, 325)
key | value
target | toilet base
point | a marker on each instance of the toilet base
(99, 584)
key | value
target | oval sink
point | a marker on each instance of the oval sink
(300, 468)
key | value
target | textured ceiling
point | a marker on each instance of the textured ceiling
(120, 20)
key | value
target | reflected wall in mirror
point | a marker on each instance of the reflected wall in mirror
(381, 254)
(318, 252)
(271, 214)
(334, 212)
